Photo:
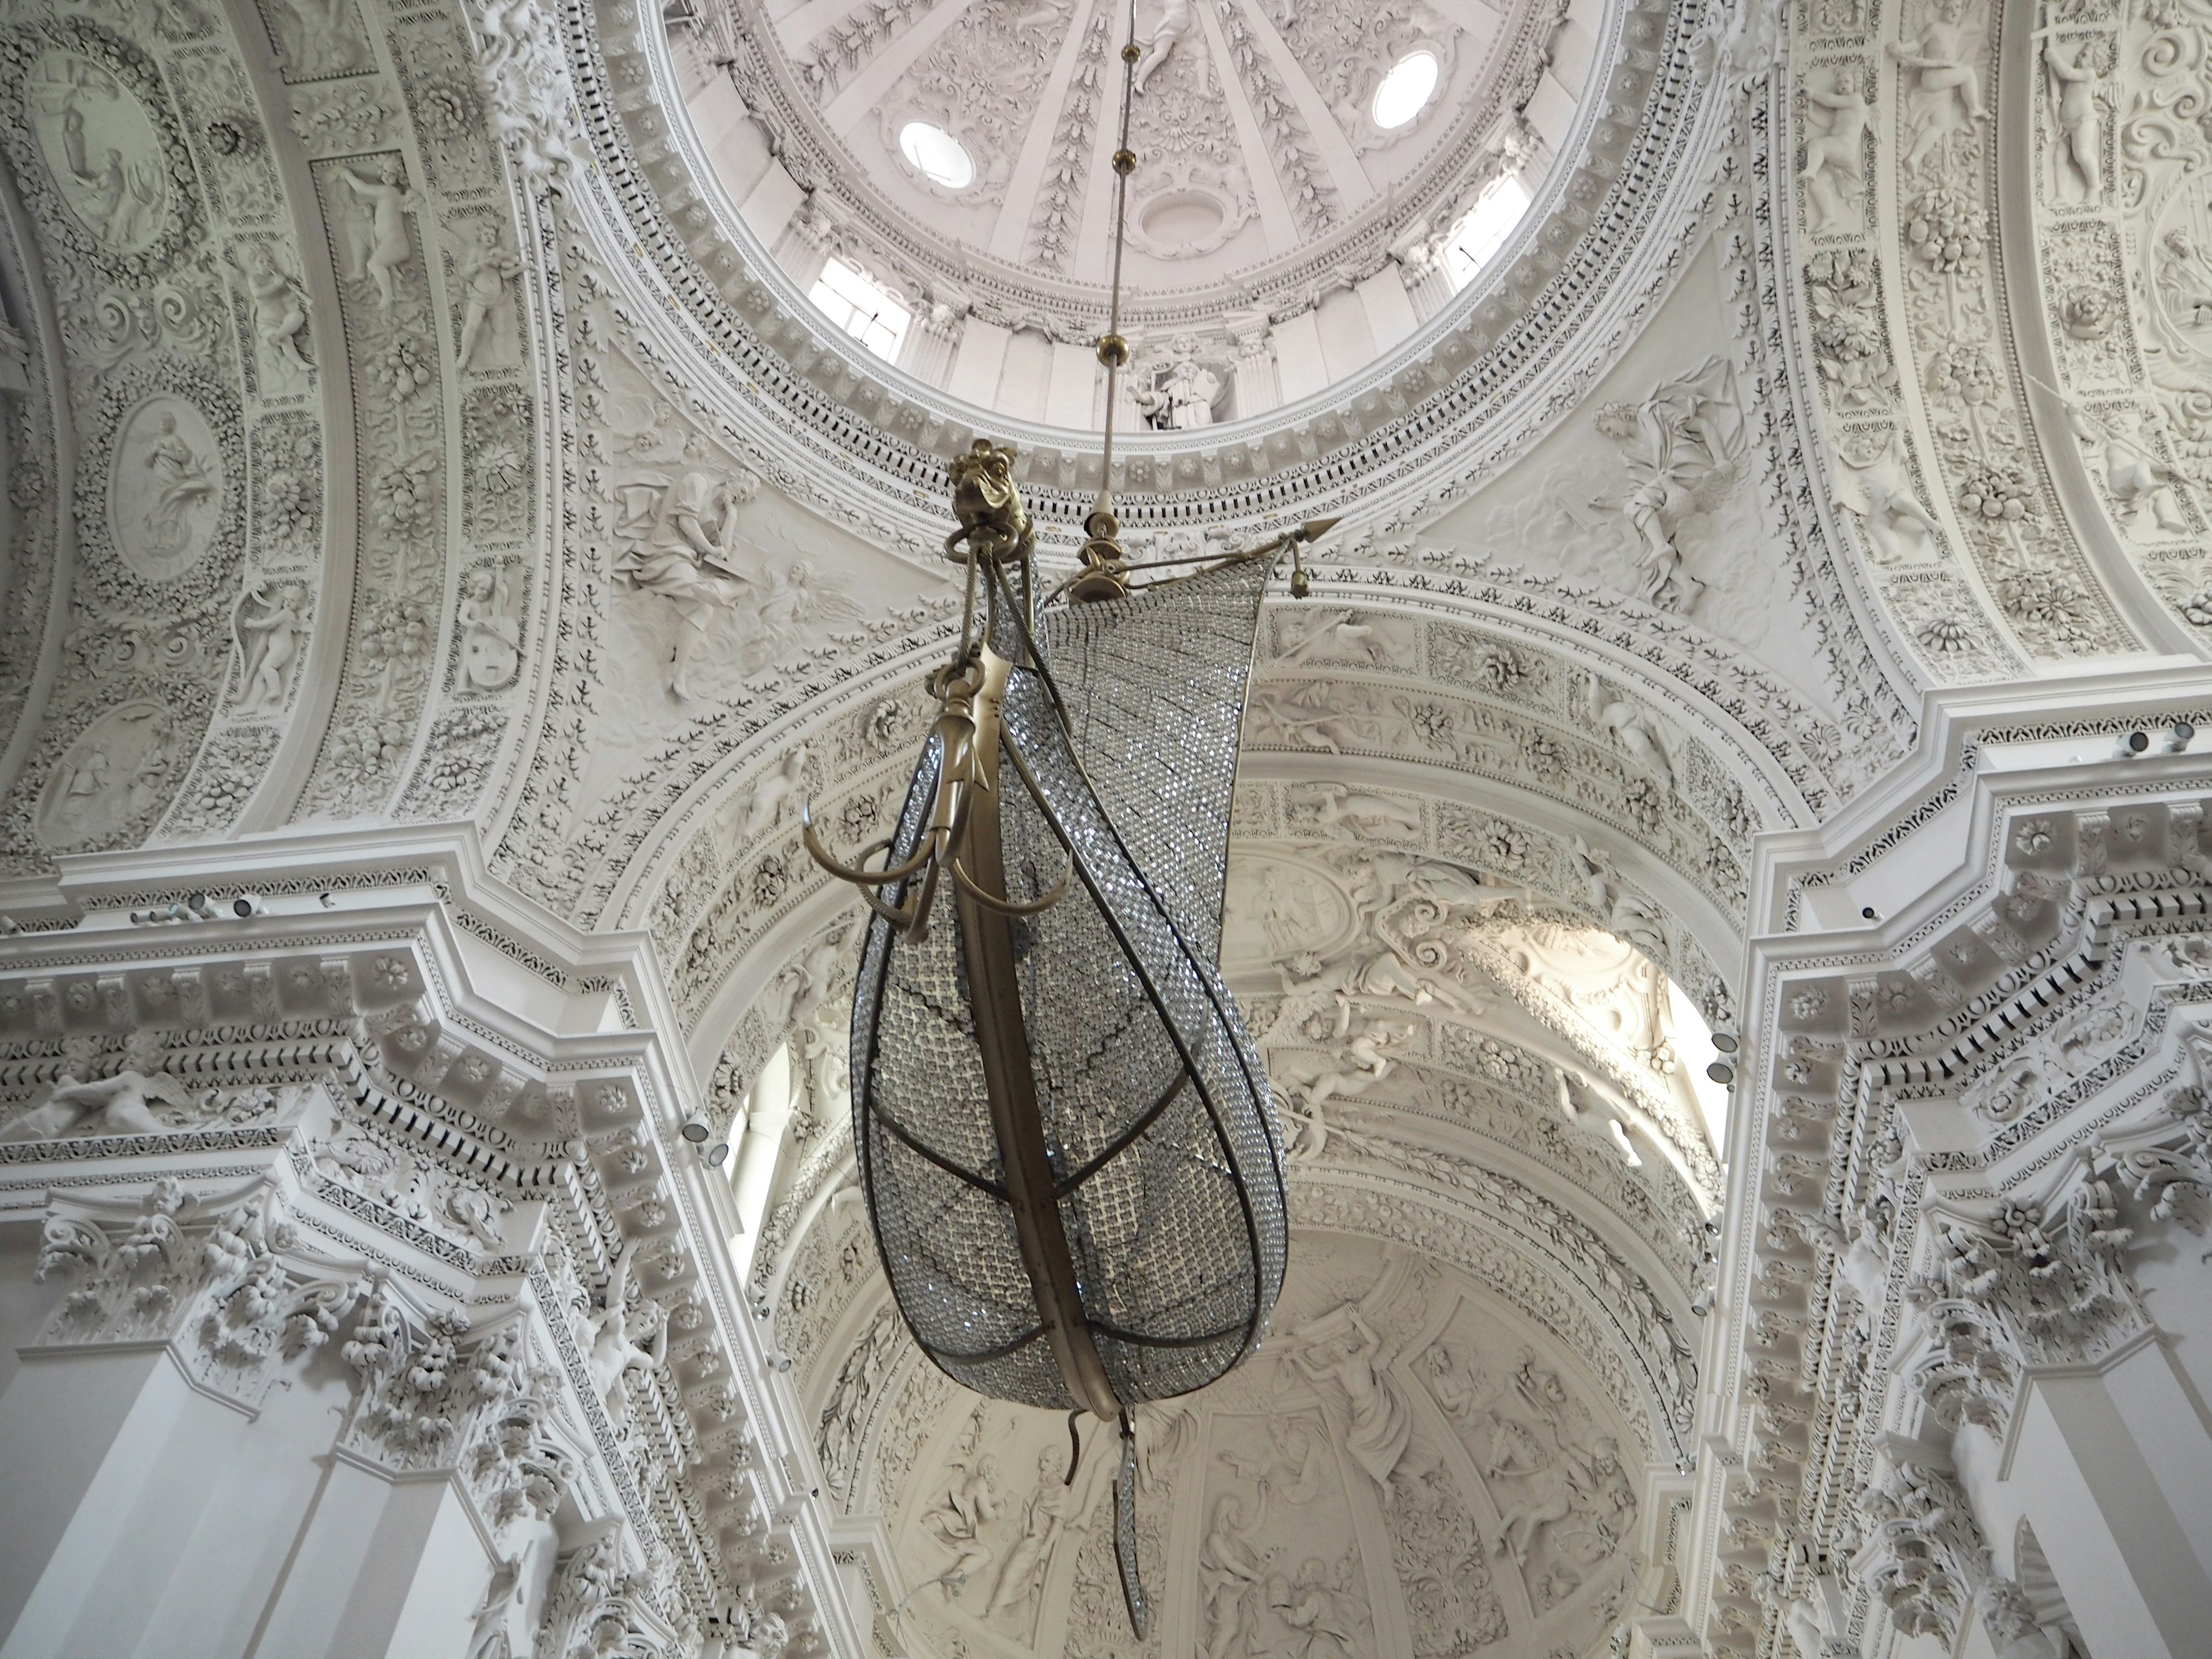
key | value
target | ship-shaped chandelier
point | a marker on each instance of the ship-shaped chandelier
(1066, 1137)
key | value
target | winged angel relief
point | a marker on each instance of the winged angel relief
(1680, 446)
(679, 539)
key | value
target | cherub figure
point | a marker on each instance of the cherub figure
(616, 1348)
(1831, 173)
(279, 310)
(1874, 485)
(387, 244)
(270, 620)
(2074, 110)
(1176, 26)
(118, 1105)
(2134, 477)
(484, 269)
(1948, 85)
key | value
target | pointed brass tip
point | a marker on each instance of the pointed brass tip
(1313, 529)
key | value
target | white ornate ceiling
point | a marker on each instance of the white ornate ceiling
(1264, 177)
(1413, 1466)
(356, 352)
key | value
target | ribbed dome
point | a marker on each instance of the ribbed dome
(958, 155)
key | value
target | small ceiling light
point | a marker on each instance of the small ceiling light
(937, 156)
(1405, 91)
(696, 1132)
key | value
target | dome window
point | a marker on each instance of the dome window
(864, 309)
(937, 156)
(1406, 90)
(1484, 231)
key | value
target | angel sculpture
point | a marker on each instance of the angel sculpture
(616, 1350)
(271, 617)
(679, 537)
(1685, 437)
(791, 606)
(1874, 485)
(280, 309)
(1176, 26)
(762, 807)
(1631, 728)
(2134, 477)
(118, 1105)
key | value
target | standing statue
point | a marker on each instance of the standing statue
(1343, 1348)
(271, 619)
(1833, 182)
(1183, 400)
(1023, 1576)
(2073, 113)
(387, 244)
(484, 269)
(1231, 1570)
(679, 540)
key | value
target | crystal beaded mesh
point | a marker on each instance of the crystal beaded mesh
(1158, 1120)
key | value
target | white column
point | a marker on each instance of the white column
(1258, 387)
(110, 1454)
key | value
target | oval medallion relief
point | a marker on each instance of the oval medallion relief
(118, 769)
(1281, 909)
(101, 149)
(164, 488)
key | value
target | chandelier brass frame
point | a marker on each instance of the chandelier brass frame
(1067, 1141)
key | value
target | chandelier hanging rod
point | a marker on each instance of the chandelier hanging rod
(1105, 567)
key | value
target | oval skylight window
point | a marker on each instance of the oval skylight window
(1404, 92)
(938, 156)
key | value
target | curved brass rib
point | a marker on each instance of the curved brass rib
(1006, 907)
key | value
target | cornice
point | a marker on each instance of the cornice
(1354, 445)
